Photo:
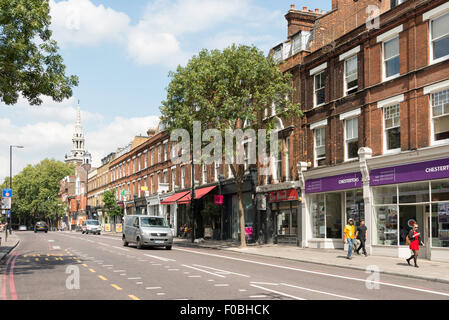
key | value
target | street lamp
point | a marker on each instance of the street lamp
(221, 178)
(10, 180)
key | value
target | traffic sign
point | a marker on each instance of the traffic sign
(6, 203)
(7, 193)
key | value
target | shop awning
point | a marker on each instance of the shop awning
(199, 193)
(172, 199)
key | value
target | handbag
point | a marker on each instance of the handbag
(407, 240)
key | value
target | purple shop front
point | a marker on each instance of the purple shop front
(335, 183)
(428, 170)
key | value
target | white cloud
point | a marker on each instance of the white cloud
(80, 22)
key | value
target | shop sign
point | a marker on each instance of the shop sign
(283, 195)
(261, 202)
(334, 183)
(428, 170)
(218, 199)
(107, 227)
(118, 227)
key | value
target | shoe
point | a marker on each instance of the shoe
(349, 258)
(416, 266)
(408, 261)
(357, 253)
(366, 254)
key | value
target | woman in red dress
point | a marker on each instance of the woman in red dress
(415, 241)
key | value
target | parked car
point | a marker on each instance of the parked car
(22, 228)
(41, 226)
(148, 231)
(91, 226)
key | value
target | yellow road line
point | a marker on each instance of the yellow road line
(84, 265)
(133, 297)
(92, 270)
(79, 261)
(116, 287)
(102, 278)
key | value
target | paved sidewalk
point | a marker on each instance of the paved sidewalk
(7, 246)
(428, 270)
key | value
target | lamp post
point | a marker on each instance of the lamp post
(253, 175)
(221, 178)
(10, 181)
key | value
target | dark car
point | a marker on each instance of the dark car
(41, 226)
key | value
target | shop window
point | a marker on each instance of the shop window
(386, 225)
(440, 190)
(440, 115)
(286, 219)
(414, 192)
(385, 195)
(204, 173)
(320, 146)
(355, 206)
(351, 138)
(440, 36)
(287, 153)
(173, 178)
(351, 78)
(326, 215)
(391, 58)
(440, 224)
(183, 177)
(392, 133)
(319, 88)
(317, 211)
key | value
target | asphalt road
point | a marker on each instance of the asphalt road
(71, 266)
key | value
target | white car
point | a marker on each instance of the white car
(22, 228)
(91, 226)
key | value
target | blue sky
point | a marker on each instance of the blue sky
(122, 52)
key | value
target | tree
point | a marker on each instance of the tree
(29, 61)
(111, 207)
(35, 190)
(225, 90)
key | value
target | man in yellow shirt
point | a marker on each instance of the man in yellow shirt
(349, 235)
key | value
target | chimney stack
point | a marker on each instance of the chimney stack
(292, 7)
(304, 8)
(317, 10)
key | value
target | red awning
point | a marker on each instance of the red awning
(199, 193)
(172, 199)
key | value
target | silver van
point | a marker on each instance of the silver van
(148, 231)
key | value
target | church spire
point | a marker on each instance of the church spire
(78, 153)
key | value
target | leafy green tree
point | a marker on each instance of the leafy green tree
(111, 207)
(29, 61)
(224, 90)
(35, 190)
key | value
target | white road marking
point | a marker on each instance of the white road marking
(160, 258)
(139, 282)
(123, 274)
(121, 248)
(119, 270)
(259, 296)
(160, 294)
(51, 240)
(278, 292)
(317, 272)
(152, 288)
(222, 271)
(322, 292)
(108, 265)
(266, 283)
(243, 290)
(56, 247)
(173, 269)
(135, 278)
(205, 271)
(194, 276)
(221, 285)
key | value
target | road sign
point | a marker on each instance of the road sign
(7, 193)
(9, 214)
(6, 203)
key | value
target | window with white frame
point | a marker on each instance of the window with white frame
(351, 138)
(152, 184)
(320, 146)
(216, 170)
(204, 173)
(440, 36)
(392, 127)
(183, 177)
(151, 157)
(440, 115)
(296, 43)
(351, 76)
(145, 159)
(277, 173)
(319, 88)
(165, 152)
(159, 153)
(173, 177)
(287, 159)
(395, 3)
(139, 161)
(391, 57)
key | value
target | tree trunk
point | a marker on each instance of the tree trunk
(241, 214)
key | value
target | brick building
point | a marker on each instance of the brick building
(374, 139)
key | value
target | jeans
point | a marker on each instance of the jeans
(350, 246)
(362, 246)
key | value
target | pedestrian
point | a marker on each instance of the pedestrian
(349, 235)
(361, 234)
(415, 240)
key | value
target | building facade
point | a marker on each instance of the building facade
(374, 140)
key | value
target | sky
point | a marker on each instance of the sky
(122, 52)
